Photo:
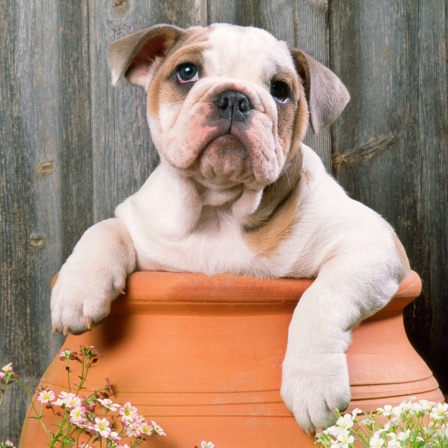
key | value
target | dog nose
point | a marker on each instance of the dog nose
(233, 105)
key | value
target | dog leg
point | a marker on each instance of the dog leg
(315, 378)
(92, 277)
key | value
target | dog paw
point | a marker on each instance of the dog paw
(82, 296)
(313, 386)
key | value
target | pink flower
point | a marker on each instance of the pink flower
(78, 415)
(9, 443)
(145, 428)
(67, 399)
(45, 396)
(102, 427)
(114, 436)
(127, 412)
(133, 429)
(72, 401)
(67, 355)
(157, 429)
(108, 404)
(8, 369)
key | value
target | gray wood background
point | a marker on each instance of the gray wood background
(73, 147)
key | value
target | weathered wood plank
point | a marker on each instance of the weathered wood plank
(45, 180)
(390, 147)
(432, 190)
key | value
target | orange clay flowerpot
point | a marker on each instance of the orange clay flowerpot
(202, 357)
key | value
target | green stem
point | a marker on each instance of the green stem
(84, 369)
(1, 397)
(30, 398)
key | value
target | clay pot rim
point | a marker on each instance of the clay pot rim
(154, 288)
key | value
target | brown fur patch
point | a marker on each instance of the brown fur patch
(273, 221)
(188, 49)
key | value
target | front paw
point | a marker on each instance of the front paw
(82, 296)
(313, 386)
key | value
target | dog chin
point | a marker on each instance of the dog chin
(225, 160)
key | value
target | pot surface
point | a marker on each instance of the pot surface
(202, 357)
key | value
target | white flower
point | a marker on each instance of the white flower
(439, 411)
(385, 428)
(205, 444)
(393, 442)
(404, 435)
(345, 422)
(345, 438)
(376, 441)
(387, 410)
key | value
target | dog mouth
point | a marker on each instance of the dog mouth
(225, 161)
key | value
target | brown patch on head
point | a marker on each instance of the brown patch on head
(188, 49)
(132, 55)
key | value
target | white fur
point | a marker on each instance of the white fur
(168, 225)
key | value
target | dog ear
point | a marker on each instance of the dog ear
(133, 55)
(325, 93)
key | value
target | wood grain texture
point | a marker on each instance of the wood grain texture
(45, 200)
(73, 147)
(390, 147)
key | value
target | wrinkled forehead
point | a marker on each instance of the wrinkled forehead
(245, 52)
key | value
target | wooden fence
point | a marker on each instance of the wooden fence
(73, 147)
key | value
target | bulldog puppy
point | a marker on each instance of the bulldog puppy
(238, 192)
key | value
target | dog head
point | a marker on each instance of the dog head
(227, 105)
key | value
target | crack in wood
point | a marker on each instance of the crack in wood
(363, 153)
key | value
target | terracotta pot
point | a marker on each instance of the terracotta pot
(202, 357)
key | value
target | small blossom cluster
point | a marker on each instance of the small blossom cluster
(85, 420)
(7, 444)
(80, 411)
(420, 424)
(7, 376)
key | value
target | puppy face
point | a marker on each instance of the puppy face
(226, 104)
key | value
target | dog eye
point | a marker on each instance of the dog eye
(187, 72)
(280, 91)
